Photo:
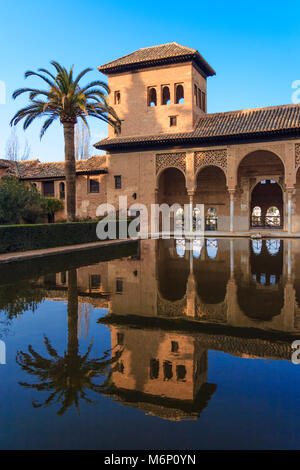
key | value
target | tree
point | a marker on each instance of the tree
(66, 100)
(12, 149)
(20, 202)
(66, 378)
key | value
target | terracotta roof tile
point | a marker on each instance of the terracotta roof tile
(230, 124)
(164, 53)
(32, 169)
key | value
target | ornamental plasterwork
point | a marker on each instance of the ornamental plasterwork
(211, 157)
(297, 155)
(168, 160)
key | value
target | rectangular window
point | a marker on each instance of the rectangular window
(117, 97)
(203, 101)
(94, 185)
(173, 121)
(154, 368)
(95, 281)
(196, 94)
(48, 188)
(174, 346)
(118, 182)
(119, 286)
(120, 339)
(199, 99)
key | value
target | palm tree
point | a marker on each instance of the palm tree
(66, 100)
(67, 378)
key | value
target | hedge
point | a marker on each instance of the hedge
(33, 237)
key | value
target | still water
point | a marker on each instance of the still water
(162, 344)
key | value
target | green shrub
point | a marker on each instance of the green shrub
(20, 202)
(33, 237)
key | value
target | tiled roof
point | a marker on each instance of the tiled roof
(155, 55)
(230, 125)
(34, 169)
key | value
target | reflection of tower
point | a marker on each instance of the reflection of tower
(162, 373)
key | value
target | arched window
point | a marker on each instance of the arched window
(180, 247)
(152, 97)
(166, 95)
(62, 190)
(273, 246)
(256, 220)
(197, 247)
(212, 247)
(256, 246)
(179, 94)
(273, 217)
(211, 219)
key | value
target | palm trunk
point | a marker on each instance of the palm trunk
(70, 170)
(72, 315)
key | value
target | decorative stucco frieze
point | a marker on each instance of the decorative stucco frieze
(169, 160)
(211, 157)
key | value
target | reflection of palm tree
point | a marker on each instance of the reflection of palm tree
(66, 377)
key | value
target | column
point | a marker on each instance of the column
(231, 194)
(191, 205)
(289, 208)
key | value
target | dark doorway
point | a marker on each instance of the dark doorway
(266, 205)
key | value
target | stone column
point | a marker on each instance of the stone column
(191, 206)
(290, 192)
(231, 194)
(231, 259)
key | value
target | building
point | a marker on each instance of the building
(242, 165)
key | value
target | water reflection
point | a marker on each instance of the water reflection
(66, 379)
(237, 296)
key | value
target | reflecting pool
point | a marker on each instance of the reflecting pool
(158, 344)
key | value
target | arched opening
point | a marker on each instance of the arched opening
(166, 95)
(267, 196)
(212, 191)
(152, 97)
(172, 190)
(261, 297)
(212, 271)
(256, 220)
(259, 177)
(172, 269)
(179, 94)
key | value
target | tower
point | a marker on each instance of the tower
(158, 90)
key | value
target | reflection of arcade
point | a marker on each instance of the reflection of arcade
(164, 374)
(262, 297)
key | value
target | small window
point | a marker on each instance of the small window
(154, 369)
(166, 95)
(152, 97)
(174, 346)
(173, 121)
(63, 277)
(180, 372)
(94, 185)
(120, 339)
(199, 99)
(48, 188)
(117, 97)
(118, 182)
(95, 281)
(179, 94)
(119, 286)
(62, 190)
(196, 95)
(168, 373)
(203, 101)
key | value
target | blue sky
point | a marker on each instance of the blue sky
(253, 46)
